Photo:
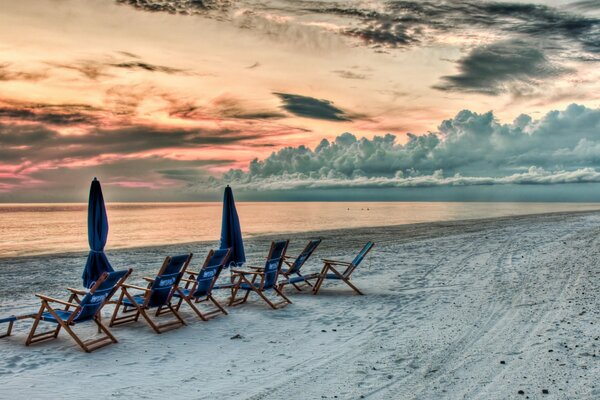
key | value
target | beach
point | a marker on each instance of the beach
(479, 309)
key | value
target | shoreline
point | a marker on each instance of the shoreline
(444, 226)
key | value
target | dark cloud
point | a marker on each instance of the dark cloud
(309, 107)
(469, 149)
(9, 73)
(224, 106)
(88, 68)
(489, 69)
(406, 23)
(68, 114)
(585, 5)
(36, 143)
(186, 7)
(128, 54)
(146, 67)
(349, 74)
(95, 69)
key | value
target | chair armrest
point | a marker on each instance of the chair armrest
(188, 280)
(148, 279)
(48, 298)
(127, 285)
(242, 272)
(256, 268)
(335, 262)
(78, 291)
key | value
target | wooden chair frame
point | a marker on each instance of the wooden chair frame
(191, 284)
(250, 277)
(132, 312)
(75, 302)
(330, 266)
(289, 261)
(11, 321)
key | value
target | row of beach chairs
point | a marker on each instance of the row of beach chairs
(175, 285)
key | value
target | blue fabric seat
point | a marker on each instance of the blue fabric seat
(139, 299)
(64, 315)
(332, 276)
(298, 279)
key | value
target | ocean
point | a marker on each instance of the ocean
(34, 229)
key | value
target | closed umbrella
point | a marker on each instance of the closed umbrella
(231, 231)
(97, 263)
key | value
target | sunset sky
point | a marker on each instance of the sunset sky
(380, 100)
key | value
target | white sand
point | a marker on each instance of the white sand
(445, 304)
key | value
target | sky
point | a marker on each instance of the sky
(171, 100)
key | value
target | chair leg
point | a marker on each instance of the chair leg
(280, 293)
(103, 328)
(266, 299)
(217, 304)
(36, 322)
(234, 291)
(9, 330)
(149, 321)
(74, 336)
(297, 287)
(347, 281)
(318, 285)
(196, 309)
(176, 314)
(115, 319)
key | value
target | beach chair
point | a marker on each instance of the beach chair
(330, 271)
(78, 310)
(198, 286)
(292, 275)
(263, 279)
(157, 295)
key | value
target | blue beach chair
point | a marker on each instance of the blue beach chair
(263, 279)
(330, 272)
(199, 285)
(78, 310)
(292, 275)
(157, 296)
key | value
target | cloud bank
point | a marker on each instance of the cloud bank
(469, 149)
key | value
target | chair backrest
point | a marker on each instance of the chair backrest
(168, 277)
(99, 294)
(208, 275)
(304, 256)
(358, 259)
(273, 263)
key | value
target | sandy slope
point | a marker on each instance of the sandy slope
(477, 309)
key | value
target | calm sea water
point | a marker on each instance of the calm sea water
(28, 229)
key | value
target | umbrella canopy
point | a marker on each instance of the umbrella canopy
(97, 263)
(231, 231)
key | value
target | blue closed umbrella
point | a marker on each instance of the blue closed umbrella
(97, 263)
(231, 231)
